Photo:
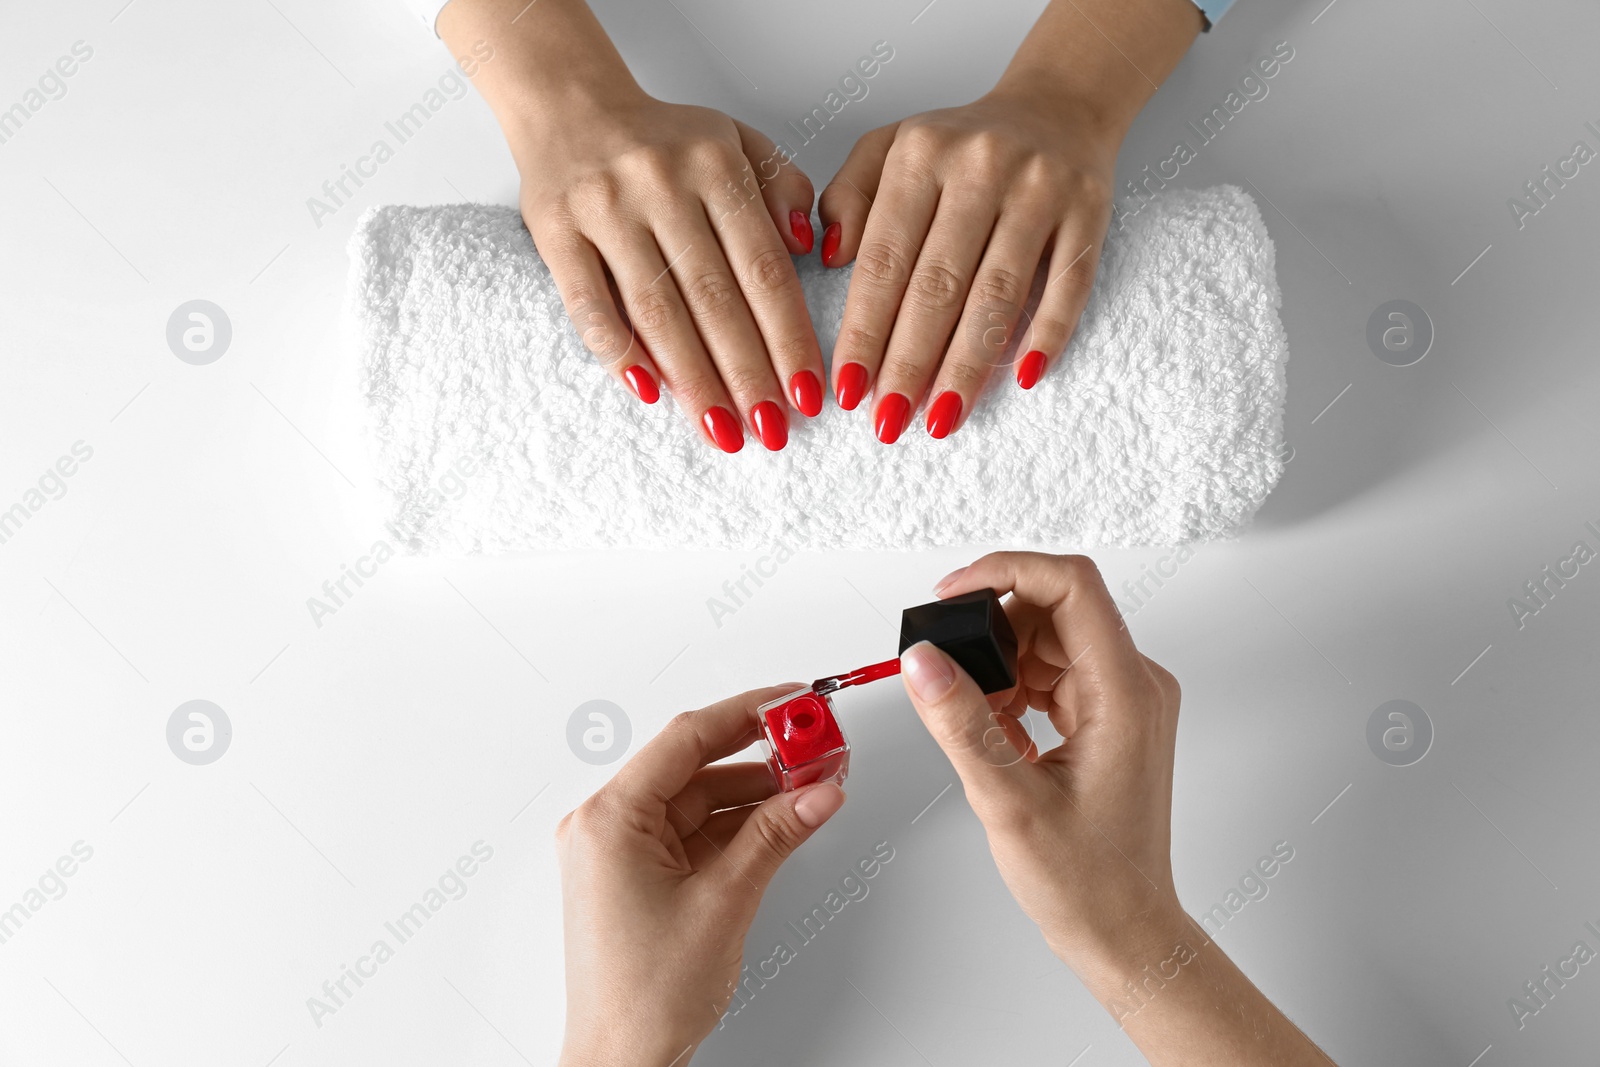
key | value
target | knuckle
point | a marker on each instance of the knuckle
(860, 338)
(780, 834)
(711, 292)
(771, 270)
(999, 289)
(712, 155)
(1049, 332)
(918, 146)
(935, 287)
(1089, 187)
(1078, 278)
(746, 380)
(594, 192)
(882, 262)
(655, 308)
(651, 163)
(794, 348)
(988, 151)
(1038, 175)
(1080, 570)
(964, 377)
(588, 819)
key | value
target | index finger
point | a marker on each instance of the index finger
(1070, 588)
(690, 741)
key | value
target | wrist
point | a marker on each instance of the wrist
(553, 63)
(1106, 107)
(1153, 941)
(537, 115)
(628, 1045)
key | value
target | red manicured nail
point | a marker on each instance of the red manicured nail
(800, 226)
(807, 393)
(943, 413)
(772, 426)
(894, 411)
(852, 385)
(723, 429)
(644, 387)
(830, 244)
(1030, 369)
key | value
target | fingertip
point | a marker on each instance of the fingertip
(643, 383)
(929, 673)
(943, 583)
(816, 804)
(831, 238)
(800, 228)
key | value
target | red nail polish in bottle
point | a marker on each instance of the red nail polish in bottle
(801, 734)
(803, 741)
(800, 731)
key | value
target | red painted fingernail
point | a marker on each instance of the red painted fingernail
(894, 411)
(852, 385)
(1030, 369)
(800, 226)
(807, 393)
(772, 426)
(943, 413)
(723, 429)
(644, 387)
(830, 244)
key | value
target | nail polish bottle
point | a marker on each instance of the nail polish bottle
(800, 732)
(803, 741)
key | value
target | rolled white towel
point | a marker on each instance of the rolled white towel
(493, 430)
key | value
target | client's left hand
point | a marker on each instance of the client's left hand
(662, 871)
(949, 214)
(964, 205)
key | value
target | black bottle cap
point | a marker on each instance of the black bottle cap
(973, 630)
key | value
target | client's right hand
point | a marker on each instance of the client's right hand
(694, 216)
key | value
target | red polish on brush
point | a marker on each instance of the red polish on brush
(800, 732)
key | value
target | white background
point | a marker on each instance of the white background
(370, 753)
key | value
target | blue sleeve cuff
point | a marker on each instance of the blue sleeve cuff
(1212, 9)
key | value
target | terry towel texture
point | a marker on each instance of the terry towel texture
(492, 429)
